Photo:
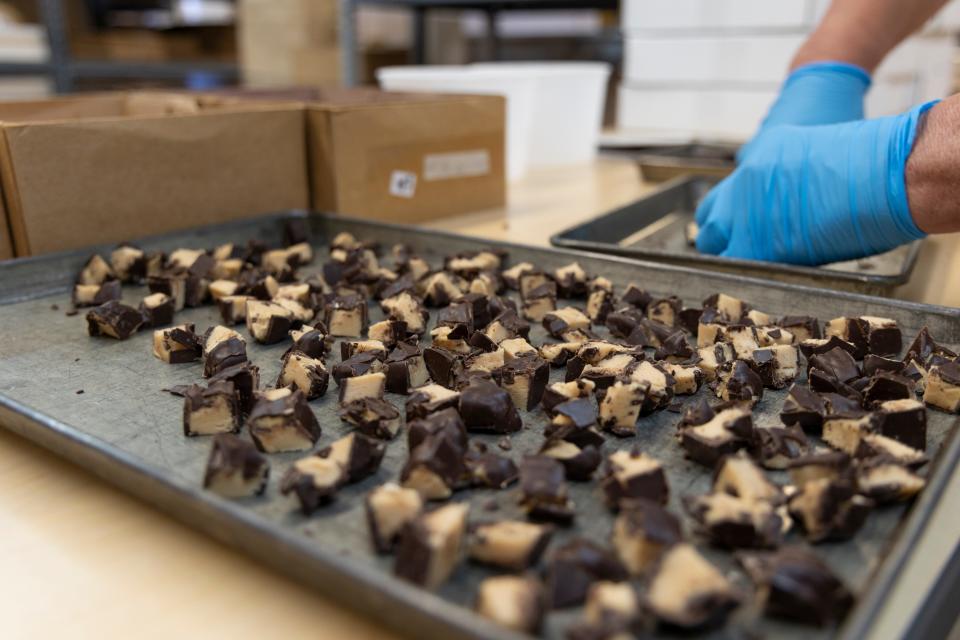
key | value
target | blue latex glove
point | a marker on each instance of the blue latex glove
(818, 93)
(812, 195)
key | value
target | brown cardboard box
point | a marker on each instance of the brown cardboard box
(405, 157)
(111, 167)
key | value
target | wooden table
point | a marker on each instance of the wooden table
(83, 559)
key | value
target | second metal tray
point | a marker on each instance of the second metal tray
(653, 228)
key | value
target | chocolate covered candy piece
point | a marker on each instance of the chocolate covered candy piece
(539, 302)
(578, 463)
(904, 421)
(128, 263)
(389, 332)
(883, 336)
(157, 310)
(576, 565)
(829, 509)
(314, 481)
(211, 410)
(302, 372)
(714, 357)
(441, 288)
(485, 407)
(873, 364)
(220, 289)
(113, 320)
(853, 330)
(687, 377)
(222, 348)
(924, 346)
(612, 610)
(177, 344)
(884, 480)
(544, 492)
(473, 262)
(358, 455)
(408, 309)
(268, 322)
(575, 421)
(431, 545)
(729, 310)
(642, 531)
(505, 326)
(560, 392)
(511, 276)
(658, 382)
(815, 346)
(796, 584)
(389, 508)
(942, 388)
(884, 386)
(631, 474)
(436, 465)
(453, 339)
(490, 470)
(349, 348)
(604, 372)
(688, 592)
(346, 316)
(92, 295)
(735, 523)
(675, 348)
(664, 311)
(829, 465)
(802, 327)
(173, 285)
(513, 602)
(357, 365)
(311, 340)
(739, 476)
(369, 385)
(737, 382)
(373, 417)
(512, 545)
(803, 408)
(281, 420)
(525, 379)
(727, 431)
(599, 305)
(235, 469)
(233, 309)
(876, 445)
(444, 366)
(777, 366)
(563, 320)
(246, 381)
(776, 447)
(429, 399)
(634, 296)
(620, 407)
(95, 271)
(572, 280)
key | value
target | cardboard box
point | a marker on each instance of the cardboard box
(111, 167)
(406, 157)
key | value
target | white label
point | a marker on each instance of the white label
(403, 184)
(459, 164)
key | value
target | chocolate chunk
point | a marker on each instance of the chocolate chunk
(389, 508)
(222, 348)
(346, 316)
(257, 284)
(94, 295)
(777, 366)
(485, 407)
(572, 280)
(727, 431)
(443, 366)
(349, 348)
(636, 297)
(233, 309)
(235, 469)
(735, 523)
(95, 271)
(675, 348)
(544, 493)
(281, 420)
(689, 320)
(368, 385)
(803, 408)
(211, 410)
(729, 310)
(802, 327)
(173, 285)
(363, 363)
(874, 363)
(876, 445)
(713, 357)
(539, 302)
(599, 305)
(560, 392)
(844, 431)
(441, 288)
(157, 310)
(837, 403)
(631, 474)
(530, 280)
(302, 372)
(576, 565)
(604, 372)
(314, 481)
(373, 417)
(903, 420)
(884, 480)
(507, 325)
(775, 447)
(220, 289)
(436, 465)
(612, 610)
(854, 331)
(815, 346)
(177, 344)
(128, 263)
(563, 320)
(511, 276)
(883, 336)
(688, 592)
(738, 476)
(406, 308)
(431, 544)
(358, 455)
(884, 386)
(389, 332)
(696, 413)
(512, 545)
(829, 509)
(826, 384)
(268, 322)
(687, 378)
(113, 320)
(430, 399)
(664, 311)
(942, 388)
(490, 470)
(924, 346)
(513, 602)
(738, 382)
(311, 341)
(578, 463)
(575, 422)
(796, 584)
(246, 381)
(620, 407)
(642, 531)
(453, 339)
(525, 379)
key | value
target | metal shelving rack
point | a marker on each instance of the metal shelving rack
(64, 70)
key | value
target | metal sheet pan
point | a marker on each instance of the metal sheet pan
(653, 228)
(124, 429)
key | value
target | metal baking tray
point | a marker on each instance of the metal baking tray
(659, 164)
(653, 228)
(125, 430)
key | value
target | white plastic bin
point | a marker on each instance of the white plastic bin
(567, 108)
(518, 90)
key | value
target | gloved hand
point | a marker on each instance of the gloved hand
(817, 93)
(812, 195)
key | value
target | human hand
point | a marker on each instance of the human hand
(816, 194)
(817, 93)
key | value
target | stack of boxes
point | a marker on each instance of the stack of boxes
(709, 69)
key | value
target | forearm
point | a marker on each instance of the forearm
(933, 170)
(863, 32)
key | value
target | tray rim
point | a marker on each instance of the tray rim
(562, 239)
(210, 514)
